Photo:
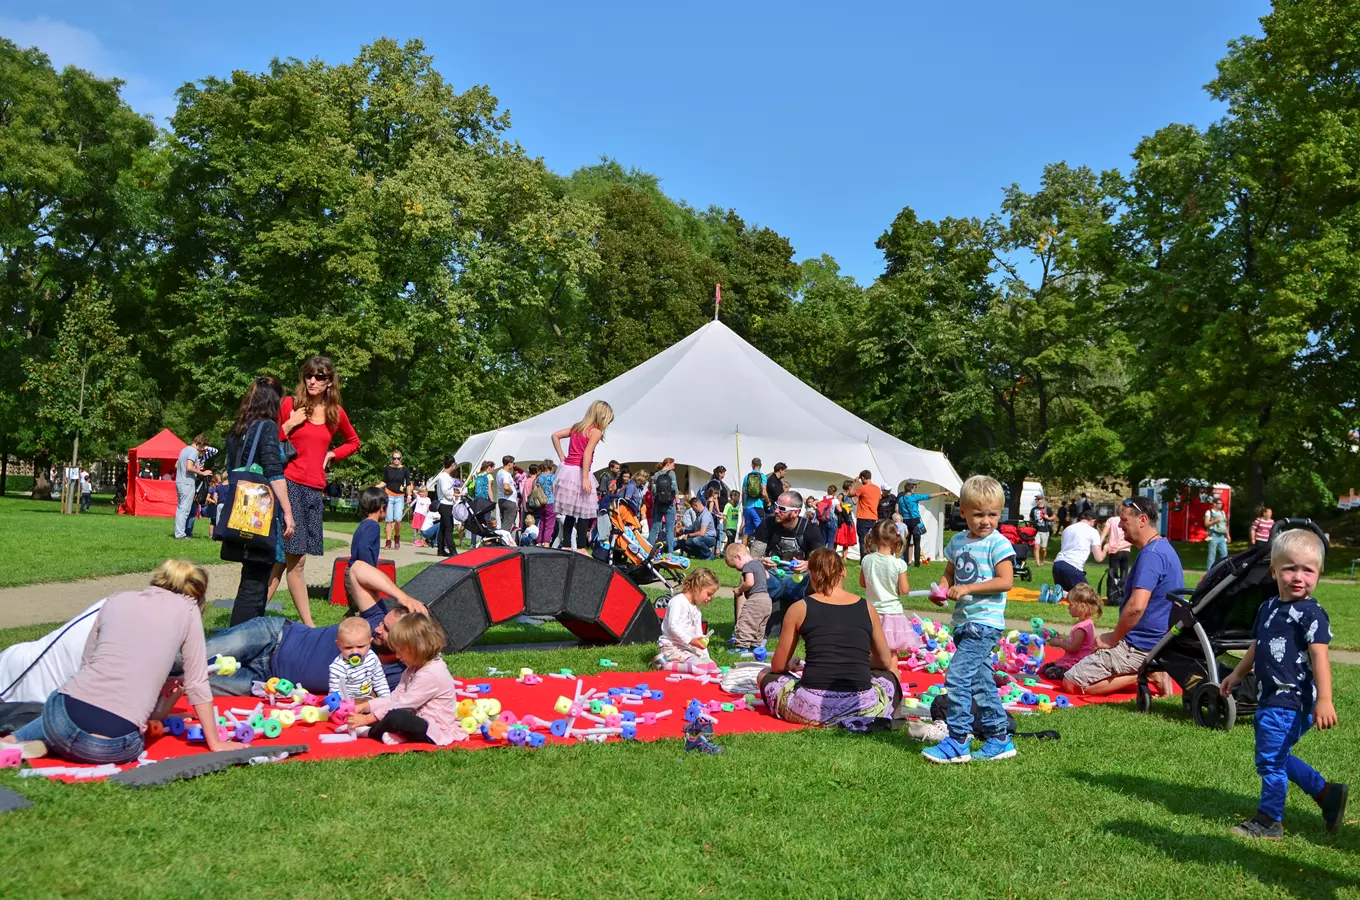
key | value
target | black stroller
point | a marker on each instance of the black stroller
(1206, 623)
(476, 518)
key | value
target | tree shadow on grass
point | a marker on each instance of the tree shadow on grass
(1280, 871)
(1182, 799)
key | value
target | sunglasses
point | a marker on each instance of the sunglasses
(782, 508)
(317, 376)
(1135, 504)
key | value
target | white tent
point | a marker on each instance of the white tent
(668, 406)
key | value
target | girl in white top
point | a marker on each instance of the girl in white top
(883, 575)
(683, 644)
(420, 511)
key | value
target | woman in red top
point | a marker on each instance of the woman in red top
(311, 420)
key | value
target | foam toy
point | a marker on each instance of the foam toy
(11, 755)
(223, 665)
(785, 566)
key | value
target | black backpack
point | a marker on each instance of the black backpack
(663, 489)
(887, 505)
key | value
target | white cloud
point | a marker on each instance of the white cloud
(67, 45)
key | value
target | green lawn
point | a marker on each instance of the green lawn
(1124, 805)
(41, 544)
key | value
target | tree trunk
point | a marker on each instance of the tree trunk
(1256, 484)
(1017, 486)
(4, 462)
(71, 491)
(42, 487)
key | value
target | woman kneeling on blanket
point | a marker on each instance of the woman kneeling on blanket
(100, 714)
(850, 676)
(423, 708)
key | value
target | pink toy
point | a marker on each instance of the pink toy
(342, 712)
(11, 755)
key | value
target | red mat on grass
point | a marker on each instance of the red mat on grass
(538, 700)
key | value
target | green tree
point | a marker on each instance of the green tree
(995, 340)
(92, 388)
(78, 179)
(1240, 243)
(369, 212)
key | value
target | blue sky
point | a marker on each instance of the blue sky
(818, 121)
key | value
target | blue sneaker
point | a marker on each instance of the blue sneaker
(1057, 595)
(1043, 593)
(948, 751)
(996, 748)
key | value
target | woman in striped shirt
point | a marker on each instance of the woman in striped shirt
(1261, 528)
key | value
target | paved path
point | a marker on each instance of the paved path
(34, 604)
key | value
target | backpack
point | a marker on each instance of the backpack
(844, 512)
(538, 498)
(752, 486)
(824, 509)
(663, 489)
(887, 505)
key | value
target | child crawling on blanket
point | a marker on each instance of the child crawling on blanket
(684, 646)
(424, 707)
(357, 671)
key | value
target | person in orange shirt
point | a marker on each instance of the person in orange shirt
(867, 494)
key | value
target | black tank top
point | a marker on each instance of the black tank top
(838, 640)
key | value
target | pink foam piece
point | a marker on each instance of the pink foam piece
(11, 755)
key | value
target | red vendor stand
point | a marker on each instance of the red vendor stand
(150, 496)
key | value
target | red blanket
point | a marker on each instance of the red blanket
(538, 700)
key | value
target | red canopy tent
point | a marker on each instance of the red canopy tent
(149, 496)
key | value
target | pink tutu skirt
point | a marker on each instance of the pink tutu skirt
(902, 638)
(571, 498)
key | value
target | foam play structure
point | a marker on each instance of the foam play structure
(150, 496)
(472, 591)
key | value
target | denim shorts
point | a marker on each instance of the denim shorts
(396, 507)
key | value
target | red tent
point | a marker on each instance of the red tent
(149, 496)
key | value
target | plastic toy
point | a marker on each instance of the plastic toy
(785, 566)
(11, 756)
(341, 712)
(608, 663)
(223, 665)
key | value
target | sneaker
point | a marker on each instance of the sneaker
(948, 751)
(1333, 803)
(1044, 591)
(696, 729)
(1258, 826)
(702, 744)
(996, 748)
(1057, 595)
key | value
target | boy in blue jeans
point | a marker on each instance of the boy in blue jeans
(1293, 685)
(980, 572)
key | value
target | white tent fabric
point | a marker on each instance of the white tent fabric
(658, 413)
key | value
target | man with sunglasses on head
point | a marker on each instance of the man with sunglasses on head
(397, 483)
(1144, 614)
(792, 538)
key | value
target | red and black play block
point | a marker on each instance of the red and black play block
(338, 595)
(470, 592)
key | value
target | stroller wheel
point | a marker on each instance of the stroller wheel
(1144, 698)
(1211, 710)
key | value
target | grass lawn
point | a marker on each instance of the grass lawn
(1124, 805)
(41, 544)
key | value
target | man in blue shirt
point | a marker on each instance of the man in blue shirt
(908, 504)
(753, 500)
(1144, 616)
(272, 646)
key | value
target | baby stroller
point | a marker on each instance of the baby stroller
(1209, 621)
(635, 556)
(475, 517)
(1022, 539)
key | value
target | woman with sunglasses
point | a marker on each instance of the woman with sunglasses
(397, 483)
(311, 419)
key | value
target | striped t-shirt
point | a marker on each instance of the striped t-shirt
(364, 680)
(975, 560)
(1261, 528)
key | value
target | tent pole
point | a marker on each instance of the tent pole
(741, 519)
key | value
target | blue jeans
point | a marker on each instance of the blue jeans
(253, 643)
(184, 508)
(68, 741)
(969, 681)
(1277, 731)
(666, 520)
(699, 547)
(784, 592)
(1218, 549)
(829, 533)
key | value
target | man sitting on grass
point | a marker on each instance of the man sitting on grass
(1144, 616)
(274, 647)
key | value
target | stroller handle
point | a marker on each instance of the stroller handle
(1290, 524)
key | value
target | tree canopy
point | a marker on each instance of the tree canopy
(1191, 317)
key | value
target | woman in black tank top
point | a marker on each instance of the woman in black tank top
(850, 676)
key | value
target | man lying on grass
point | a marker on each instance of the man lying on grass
(274, 647)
